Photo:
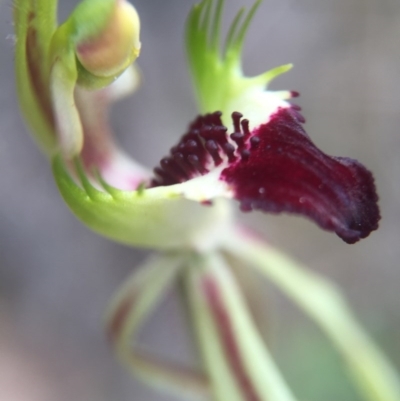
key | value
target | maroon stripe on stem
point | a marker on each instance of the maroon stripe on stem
(228, 340)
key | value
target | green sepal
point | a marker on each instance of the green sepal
(35, 23)
(159, 218)
(217, 73)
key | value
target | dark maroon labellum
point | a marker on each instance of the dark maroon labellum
(286, 172)
(276, 168)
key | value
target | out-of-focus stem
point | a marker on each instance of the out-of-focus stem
(132, 305)
(322, 301)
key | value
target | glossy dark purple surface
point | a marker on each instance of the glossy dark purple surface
(286, 172)
(277, 168)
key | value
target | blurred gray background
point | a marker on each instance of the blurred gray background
(56, 277)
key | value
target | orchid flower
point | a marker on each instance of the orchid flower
(247, 144)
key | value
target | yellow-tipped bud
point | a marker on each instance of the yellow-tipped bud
(112, 50)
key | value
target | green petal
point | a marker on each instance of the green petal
(159, 218)
(217, 73)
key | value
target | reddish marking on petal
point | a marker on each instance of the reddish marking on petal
(286, 172)
(228, 339)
